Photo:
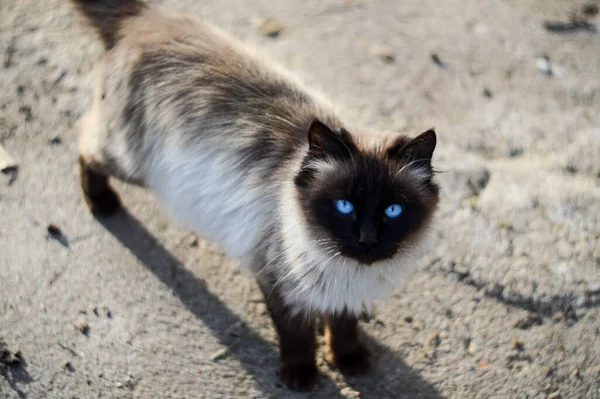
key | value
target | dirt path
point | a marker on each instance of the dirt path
(505, 305)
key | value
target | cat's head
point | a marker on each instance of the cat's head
(366, 200)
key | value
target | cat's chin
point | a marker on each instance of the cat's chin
(367, 260)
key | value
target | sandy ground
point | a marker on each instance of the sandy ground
(506, 304)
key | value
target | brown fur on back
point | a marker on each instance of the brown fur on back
(106, 16)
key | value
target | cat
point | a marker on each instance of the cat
(236, 149)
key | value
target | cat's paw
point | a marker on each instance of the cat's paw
(298, 376)
(354, 362)
(104, 203)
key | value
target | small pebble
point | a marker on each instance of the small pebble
(517, 344)
(83, 327)
(193, 241)
(554, 395)
(348, 392)
(68, 366)
(472, 348)
(219, 355)
(55, 233)
(466, 343)
(9, 357)
(268, 26)
(7, 162)
(571, 169)
(385, 53)
(593, 288)
(543, 64)
(514, 152)
(437, 60)
(434, 339)
(26, 111)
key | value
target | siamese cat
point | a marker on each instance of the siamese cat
(236, 149)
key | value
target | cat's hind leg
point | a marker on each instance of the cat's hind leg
(97, 192)
(93, 171)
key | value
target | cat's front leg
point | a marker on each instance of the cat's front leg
(297, 341)
(345, 349)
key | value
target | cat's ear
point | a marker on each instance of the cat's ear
(418, 150)
(322, 141)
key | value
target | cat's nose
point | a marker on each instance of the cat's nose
(368, 241)
(368, 236)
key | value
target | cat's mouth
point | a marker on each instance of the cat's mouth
(366, 257)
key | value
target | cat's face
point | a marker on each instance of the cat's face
(366, 204)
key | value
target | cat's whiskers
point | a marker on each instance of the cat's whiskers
(265, 267)
(297, 279)
(285, 273)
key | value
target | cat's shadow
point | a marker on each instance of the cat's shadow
(390, 377)
(258, 356)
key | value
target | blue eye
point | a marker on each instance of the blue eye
(344, 206)
(393, 211)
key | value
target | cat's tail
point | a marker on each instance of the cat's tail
(106, 16)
